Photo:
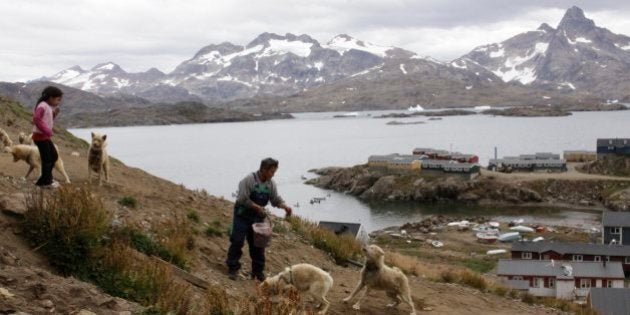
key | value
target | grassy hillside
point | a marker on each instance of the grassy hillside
(146, 240)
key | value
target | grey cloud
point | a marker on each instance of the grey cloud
(42, 37)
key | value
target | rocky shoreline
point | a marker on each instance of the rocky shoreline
(380, 185)
(516, 111)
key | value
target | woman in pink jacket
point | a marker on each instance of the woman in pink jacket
(46, 110)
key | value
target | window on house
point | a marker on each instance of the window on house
(627, 260)
(537, 282)
(597, 258)
(615, 230)
(577, 258)
(607, 258)
(517, 278)
(526, 255)
(552, 282)
(608, 283)
(585, 283)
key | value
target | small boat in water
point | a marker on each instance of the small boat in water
(509, 237)
(486, 229)
(351, 114)
(482, 107)
(494, 224)
(522, 228)
(496, 251)
(416, 108)
(486, 237)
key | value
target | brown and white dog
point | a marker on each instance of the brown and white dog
(305, 278)
(30, 155)
(98, 160)
(376, 275)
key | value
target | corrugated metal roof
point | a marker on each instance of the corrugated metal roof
(613, 218)
(572, 248)
(541, 268)
(341, 227)
(610, 301)
(614, 142)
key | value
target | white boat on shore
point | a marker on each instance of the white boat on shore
(538, 239)
(509, 237)
(487, 237)
(496, 251)
(437, 244)
(522, 228)
(463, 223)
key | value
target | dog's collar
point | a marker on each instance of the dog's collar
(290, 280)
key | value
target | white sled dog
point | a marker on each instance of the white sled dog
(305, 278)
(376, 275)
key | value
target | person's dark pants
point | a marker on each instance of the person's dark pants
(242, 230)
(48, 155)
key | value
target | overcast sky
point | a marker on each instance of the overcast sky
(41, 37)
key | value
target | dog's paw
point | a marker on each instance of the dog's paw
(356, 306)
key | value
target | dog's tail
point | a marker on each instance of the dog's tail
(329, 281)
(4, 137)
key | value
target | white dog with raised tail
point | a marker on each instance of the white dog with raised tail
(376, 275)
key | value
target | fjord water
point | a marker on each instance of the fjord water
(216, 156)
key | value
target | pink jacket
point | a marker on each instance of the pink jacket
(43, 122)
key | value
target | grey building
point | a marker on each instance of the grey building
(563, 280)
(609, 301)
(610, 148)
(616, 226)
(573, 252)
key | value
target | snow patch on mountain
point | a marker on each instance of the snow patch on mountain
(402, 68)
(498, 53)
(280, 47)
(525, 75)
(344, 43)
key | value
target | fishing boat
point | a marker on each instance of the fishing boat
(496, 251)
(522, 228)
(486, 237)
(509, 237)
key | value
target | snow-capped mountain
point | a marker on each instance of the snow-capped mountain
(271, 64)
(575, 56)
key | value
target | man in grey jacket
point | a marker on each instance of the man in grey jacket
(255, 191)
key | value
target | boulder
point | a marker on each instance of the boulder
(13, 204)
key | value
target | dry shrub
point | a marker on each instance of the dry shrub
(177, 236)
(145, 281)
(287, 302)
(68, 225)
(413, 266)
(473, 280)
